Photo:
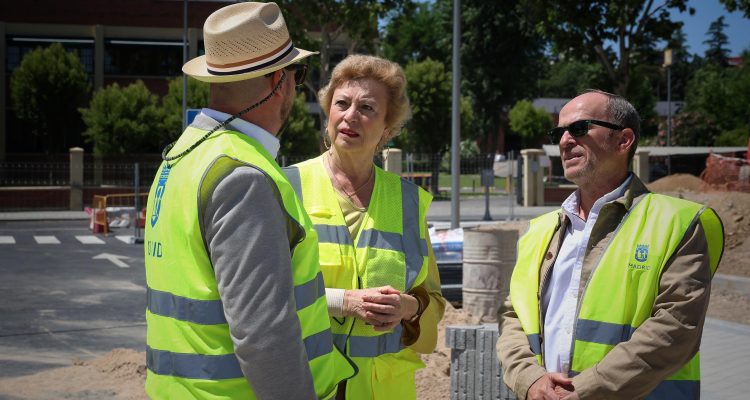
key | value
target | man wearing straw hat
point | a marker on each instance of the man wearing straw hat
(236, 305)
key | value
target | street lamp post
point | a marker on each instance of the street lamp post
(668, 65)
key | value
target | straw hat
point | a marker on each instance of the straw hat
(244, 41)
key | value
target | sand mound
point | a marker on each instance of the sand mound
(119, 374)
(678, 182)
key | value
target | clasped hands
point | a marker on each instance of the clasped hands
(382, 307)
(552, 386)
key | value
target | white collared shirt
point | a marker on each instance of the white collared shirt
(560, 296)
(266, 139)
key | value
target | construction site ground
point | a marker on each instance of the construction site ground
(120, 373)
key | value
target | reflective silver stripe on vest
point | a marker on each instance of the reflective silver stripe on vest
(336, 234)
(536, 343)
(318, 344)
(415, 248)
(292, 174)
(602, 332)
(380, 240)
(204, 312)
(310, 291)
(226, 366)
(683, 390)
(193, 366)
(373, 346)
(339, 340)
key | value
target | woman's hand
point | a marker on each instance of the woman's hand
(382, 307)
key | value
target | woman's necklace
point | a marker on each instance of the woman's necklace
(341, 186)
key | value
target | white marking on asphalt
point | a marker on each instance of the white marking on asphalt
(46, 240)
(89, 240)
(124, 238)
(114, 258)
(7, 240)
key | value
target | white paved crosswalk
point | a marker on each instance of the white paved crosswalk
(63, 239)
(46, 239)
(7, 240)
(90, 240)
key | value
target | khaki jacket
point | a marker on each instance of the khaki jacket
(658, 348)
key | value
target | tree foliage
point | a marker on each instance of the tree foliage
(501, 58)
(46, 89)
(171, 103)
(717, 42)
(530, 122)
(416, 34)
(742, 5)
(566, 79)
(717, 106)
(429, 90)
(586, 30)
(123, 120)
(300, 138)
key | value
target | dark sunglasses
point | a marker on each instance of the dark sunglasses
(300, 71)
(579, 128)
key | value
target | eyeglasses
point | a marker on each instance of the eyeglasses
(300, 71)
(579, 128)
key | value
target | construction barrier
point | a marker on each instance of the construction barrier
(105, 211)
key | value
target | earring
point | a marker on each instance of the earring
(326, 141)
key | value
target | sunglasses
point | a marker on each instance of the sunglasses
(579, 128)
(300, 71)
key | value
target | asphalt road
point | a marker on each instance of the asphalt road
(65, 295)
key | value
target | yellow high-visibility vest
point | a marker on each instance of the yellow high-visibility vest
(623, 286)
(390, 249)
(189, 349)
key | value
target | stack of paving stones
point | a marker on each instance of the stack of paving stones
(475, 371)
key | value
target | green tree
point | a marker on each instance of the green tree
(123, 120)
(46, 89)
(530, 122)
(684, 65)
(717, 42)
(416, 34)
(742, 5)
(429, 130)
(717, 104)
(171, 104)
(568, 78)
(586, 30)
(300, 138)
(501, 58)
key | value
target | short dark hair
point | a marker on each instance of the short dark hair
(624, 114)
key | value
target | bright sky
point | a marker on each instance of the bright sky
(707, 11)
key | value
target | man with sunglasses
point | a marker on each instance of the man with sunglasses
(609, 294)
(236, 303)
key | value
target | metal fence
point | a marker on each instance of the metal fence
(54, 170)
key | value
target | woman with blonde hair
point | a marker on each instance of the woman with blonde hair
(381, 278)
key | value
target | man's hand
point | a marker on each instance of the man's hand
(545, 388)
(566, 393)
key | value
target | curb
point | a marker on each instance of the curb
(44, 216)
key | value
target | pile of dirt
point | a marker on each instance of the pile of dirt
(677, 183)
(732, 207)
(119, 374)
(434, 381)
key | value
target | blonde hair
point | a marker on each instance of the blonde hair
(390, 74)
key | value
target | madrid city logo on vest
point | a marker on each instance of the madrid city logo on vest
(641, 256)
